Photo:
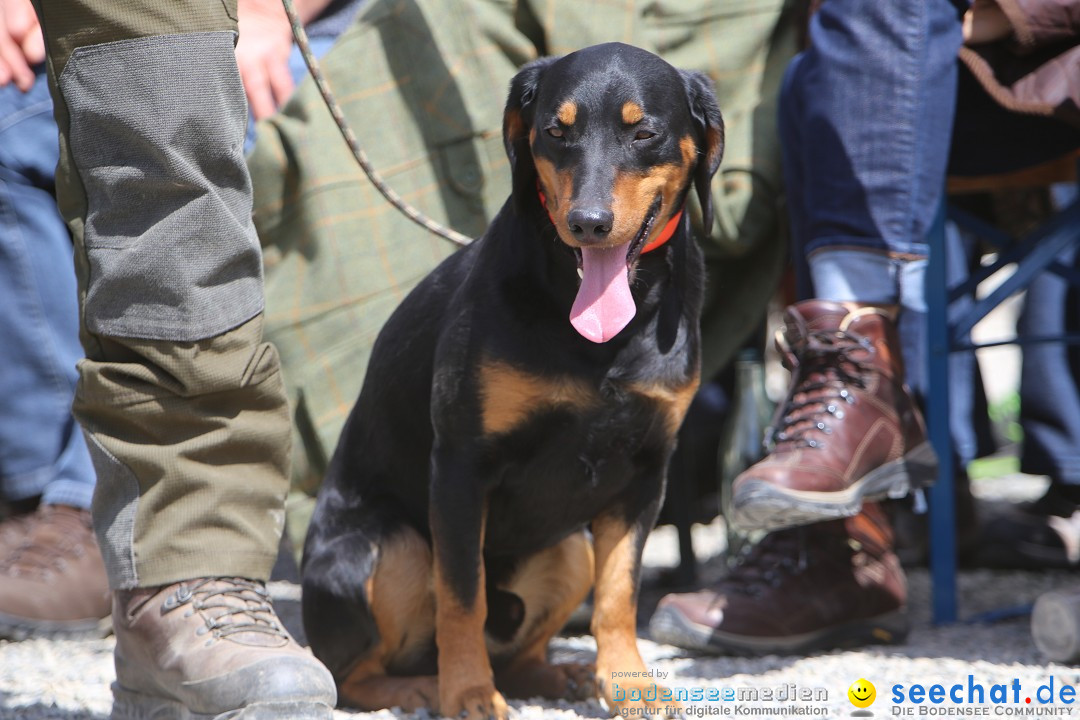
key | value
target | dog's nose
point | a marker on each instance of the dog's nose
(590, 224)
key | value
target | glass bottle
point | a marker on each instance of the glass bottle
(742, 441)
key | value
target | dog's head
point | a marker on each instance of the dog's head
(611, 137)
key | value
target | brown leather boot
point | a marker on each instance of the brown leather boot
(52, 577)
(212, 647)
(834, 584)
(849, 430)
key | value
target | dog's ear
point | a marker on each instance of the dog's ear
(710, 137)
(517, 123)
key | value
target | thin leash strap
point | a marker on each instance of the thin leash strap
(350, 138)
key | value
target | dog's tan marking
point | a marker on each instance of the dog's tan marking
(557, 187)
(551, 584)
(509, 396)
(402, 598)
(567, 113)
(403, 605)
(513, 126)
(672, 401)
(615, 614)
(714, 139)
(633, 194)
(618, 558)
(632, 113)
(689, 150)
(366, 690)
(466, 681)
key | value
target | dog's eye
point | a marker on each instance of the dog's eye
(644, 135)
(555, 132)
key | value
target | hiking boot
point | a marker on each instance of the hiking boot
(849, 429)
(52, 577)
(211, 648)
(824, 586)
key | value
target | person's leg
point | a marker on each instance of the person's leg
(42, 450)
(866, 121)
(181, 400)
(1046, 532)
(876, 94)
(1049, 396)
(43, 455)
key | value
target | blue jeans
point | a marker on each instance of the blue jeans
(1049, 394)
(866, 116)
(42, 450)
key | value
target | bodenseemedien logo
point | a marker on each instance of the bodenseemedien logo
(788, 700)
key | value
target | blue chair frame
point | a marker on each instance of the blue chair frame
(949, 331)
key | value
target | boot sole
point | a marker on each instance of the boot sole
(131, 705)
(16, 628)
(760, 505)
(671, 627)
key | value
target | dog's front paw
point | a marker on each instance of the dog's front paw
(475, 702)
(635, 694)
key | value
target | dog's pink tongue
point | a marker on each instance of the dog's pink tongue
(603, 305)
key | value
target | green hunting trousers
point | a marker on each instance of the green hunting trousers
(182, 402)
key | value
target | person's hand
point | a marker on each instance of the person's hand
(262, 54)
(21, 43)
(985, 22)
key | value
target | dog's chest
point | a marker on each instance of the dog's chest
(558, 451)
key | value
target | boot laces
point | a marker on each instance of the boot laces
(229, 606)
(824, 365)
(779, 554)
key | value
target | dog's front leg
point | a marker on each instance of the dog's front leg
(458, 509)
(621, 675)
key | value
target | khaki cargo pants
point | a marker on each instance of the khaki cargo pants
(181, 400)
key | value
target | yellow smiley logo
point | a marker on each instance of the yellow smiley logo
(862, 693)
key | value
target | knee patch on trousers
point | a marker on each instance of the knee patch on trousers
(171, 249)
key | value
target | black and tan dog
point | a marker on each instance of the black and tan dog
(527, 392)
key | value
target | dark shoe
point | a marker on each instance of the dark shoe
(849, 430)
(52, 577)
(208, 648)
(912, 529)
(834, 584)
(1039, 535)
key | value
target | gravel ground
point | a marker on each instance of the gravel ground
(69, 679)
